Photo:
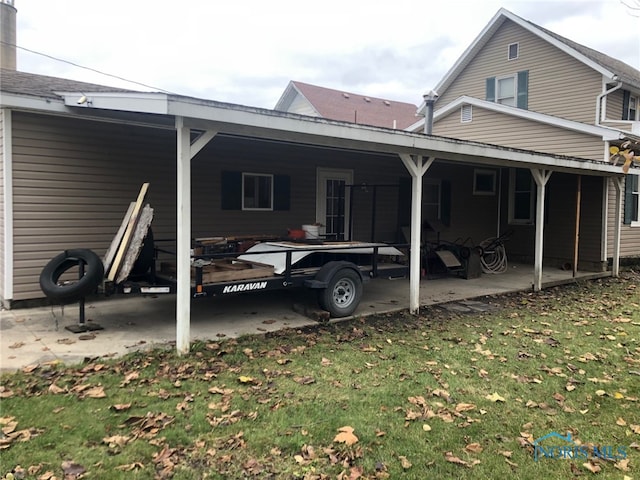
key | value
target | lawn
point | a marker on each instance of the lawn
(544, 385)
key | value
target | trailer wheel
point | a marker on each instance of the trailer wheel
(74, 289)
(343, 293)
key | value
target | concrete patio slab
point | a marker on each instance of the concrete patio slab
(37, 335)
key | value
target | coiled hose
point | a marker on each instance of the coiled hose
(493, 256)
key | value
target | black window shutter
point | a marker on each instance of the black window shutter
(445, 202)
(231, 191)
(523, 90)
(491, 89)
(281, 192)
(628, 199)
(626, 98)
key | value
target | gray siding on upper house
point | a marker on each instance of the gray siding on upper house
(501, 129)
(559, 85)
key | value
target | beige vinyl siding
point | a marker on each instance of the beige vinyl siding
(629, 234)
(73, 181)
(473, 217)
(559, 85)
(2, 204)
(559, 227)
(614, 103)
(301, 164)
(501, 129)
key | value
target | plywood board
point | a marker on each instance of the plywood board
(144, 222)
(115, 243)
(128, 234)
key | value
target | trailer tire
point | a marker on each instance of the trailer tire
(343, 293)
(70, 292)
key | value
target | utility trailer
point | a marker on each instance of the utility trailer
(335, 270)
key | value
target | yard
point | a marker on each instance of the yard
(541, 385)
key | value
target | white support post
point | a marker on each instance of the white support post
(618, 183)
(541, 177)
(417, 168)
(183, 277)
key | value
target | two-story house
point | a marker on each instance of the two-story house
(523, 86)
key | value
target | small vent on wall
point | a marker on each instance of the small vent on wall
(387, 103)
(345, 95)
(466, 113)
(367, 99)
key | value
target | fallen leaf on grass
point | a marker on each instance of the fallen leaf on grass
(622, 465)
(474, 448)
(406, 464)
(130, 467)
(592, 467)
(54, 389)
(119, 407)
(346, 436)
(72, 470)
(426, 427)
(94, 392)
(245, 379)
(464, 407)
(450, 457)
(635, 428)
(494, 397)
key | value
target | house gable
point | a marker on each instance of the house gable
(571, 98)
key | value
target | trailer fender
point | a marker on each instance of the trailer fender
(328, 270)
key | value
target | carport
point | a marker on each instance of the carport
(198, 121)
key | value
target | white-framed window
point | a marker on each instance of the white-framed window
(506, 90)
(513, 51)
(521, 196)
(466, 113)
(257, 191)
(632, 113)
(484, 182)
(431, 199)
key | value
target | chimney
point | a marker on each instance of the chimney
(8, 35)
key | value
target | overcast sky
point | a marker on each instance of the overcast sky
(247, 51)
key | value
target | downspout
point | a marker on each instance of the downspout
(601, 96)
(6, 235)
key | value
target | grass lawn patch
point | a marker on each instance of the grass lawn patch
(545, 385)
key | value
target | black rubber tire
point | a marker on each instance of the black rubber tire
(70, 292)
(146, 257)
(343, 293)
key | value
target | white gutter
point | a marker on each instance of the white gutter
(599, 101)
(261, 123)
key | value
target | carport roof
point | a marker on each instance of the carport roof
(25, 91)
